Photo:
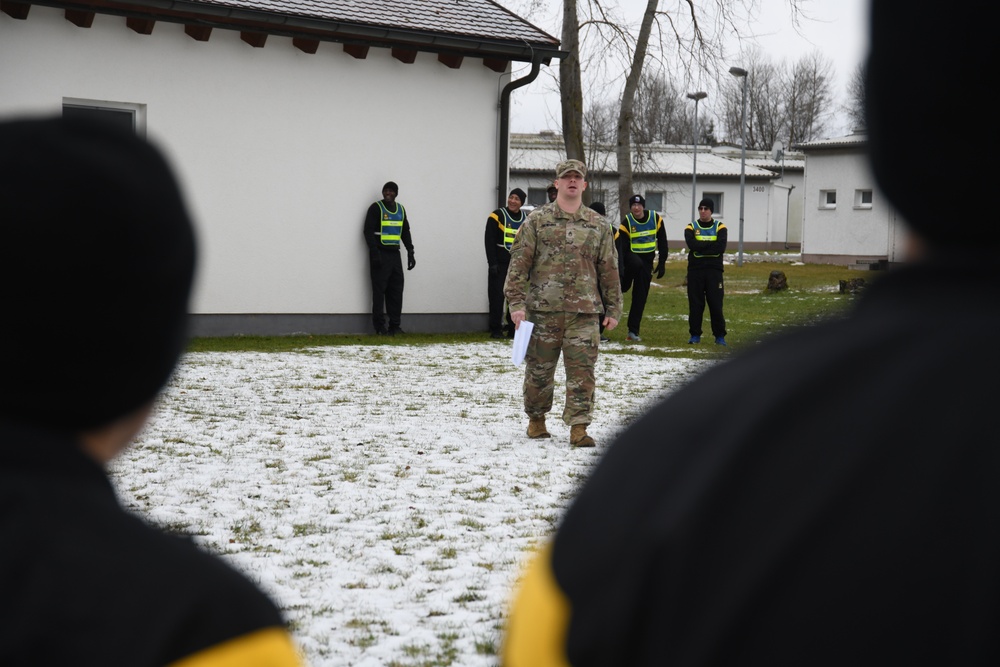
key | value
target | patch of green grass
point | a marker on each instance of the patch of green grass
(468, 596)
(246, 531)
(303, 529)
(487, 646)
(469, 522)
(479, 494)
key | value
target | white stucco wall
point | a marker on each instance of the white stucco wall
(846, 231)
(280, 153)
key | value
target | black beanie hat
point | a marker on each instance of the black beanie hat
(96, 276)
(391, 186)
(707, 203)
(520, 195)
(598, 207)
(637, 199)
(914, 83)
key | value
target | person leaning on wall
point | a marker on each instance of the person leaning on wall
(96, 297)
(501, 227)
(386, 229)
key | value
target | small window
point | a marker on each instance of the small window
(862, 199)
(123, 114)
(717, 199)
(654, 201)
(828, 199)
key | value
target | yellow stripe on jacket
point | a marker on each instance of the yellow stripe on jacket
(539, 619)
(270, 647)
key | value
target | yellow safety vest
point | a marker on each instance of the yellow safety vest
(510, 228)
(642, 235)
(392, 224)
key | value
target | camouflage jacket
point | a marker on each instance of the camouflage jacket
(563, 262)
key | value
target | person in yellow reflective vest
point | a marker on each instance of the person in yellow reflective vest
(501, 226)
(106, 251)
(641, 236)
(386, 229)
(706, 240)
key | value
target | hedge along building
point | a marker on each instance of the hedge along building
(662, 174)
(283, 120)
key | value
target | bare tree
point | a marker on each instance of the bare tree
(788, 104)
(599, 122)
(808, 98)
(660, 113)
(570, 83)
(684, 34)
(856, 98)
(625, 113)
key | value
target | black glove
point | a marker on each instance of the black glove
(661, 269)
(410, 261)
(494, 270)
(376, 258)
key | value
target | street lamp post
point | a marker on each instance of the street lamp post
(694, 169)
(742, 73)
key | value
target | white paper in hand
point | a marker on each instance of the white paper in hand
(521, 336)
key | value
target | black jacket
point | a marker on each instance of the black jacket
(830, 497)
(83, 582)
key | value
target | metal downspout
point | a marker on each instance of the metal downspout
(503, 147)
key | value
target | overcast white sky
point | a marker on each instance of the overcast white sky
(836, 28)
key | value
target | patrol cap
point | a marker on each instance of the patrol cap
(567, 166)
(636, 199)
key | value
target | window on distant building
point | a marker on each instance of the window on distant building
(717, 199)
(828, 199)
(862, 199)
(131, 117)
(599, 195)
(654, 201)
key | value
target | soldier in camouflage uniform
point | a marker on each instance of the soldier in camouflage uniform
(563, 270)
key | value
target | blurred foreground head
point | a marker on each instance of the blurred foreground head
(97, 268)
(929, 145)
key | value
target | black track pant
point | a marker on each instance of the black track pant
(494, 287)
(387, 289)
(705, 286)
(640, 268)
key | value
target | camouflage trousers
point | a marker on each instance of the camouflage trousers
(576, 336)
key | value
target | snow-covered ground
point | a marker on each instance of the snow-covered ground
(385, 496)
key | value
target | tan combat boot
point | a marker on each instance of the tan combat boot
(536, 428)
(578, 436)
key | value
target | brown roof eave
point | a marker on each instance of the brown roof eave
(291, 25)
